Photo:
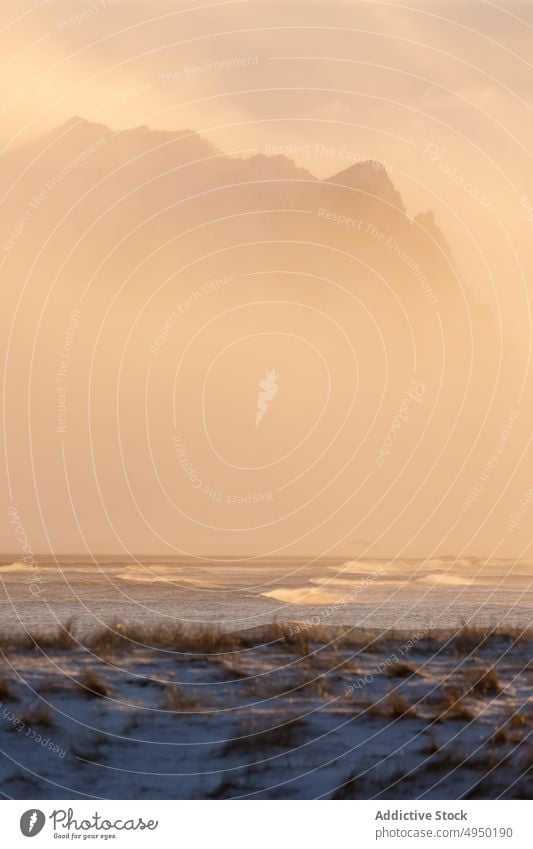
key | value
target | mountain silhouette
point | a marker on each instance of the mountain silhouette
(227, 266)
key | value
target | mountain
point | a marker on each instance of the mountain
(150, 282)
(370, 178)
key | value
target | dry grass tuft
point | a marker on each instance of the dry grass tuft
(322, 686)
(352, 788)
(52, 685)
(7, 693)
(485, 759)
(482, 789)
(178, 701)
(231, 669)
(92, 686)
(63, 638)
(518, 719)
(248, 738)
(398, 706)
(374, 709)
(197, 642)
(41, 715)
(107, 641)
(470, 639)
(527, 758)
(483, 681)
(448, 757)
(430, 746)
(88, 747)
(225, 790)
(298, 643)
(400, 669)
(451, 705)
(499, 737)
(295, 637)
(364, 705)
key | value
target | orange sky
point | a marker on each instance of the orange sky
(440, 92)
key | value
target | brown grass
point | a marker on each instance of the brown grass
(375, 709)
(249, 738)
(431, 746)
(88, 747)
(499, 737)
(294, 637)
(400, 669)
(298, 643)
(133, 723)
(448, 758)
(63, 638)
(92, 686)
(364, 705)
(7, 693)
(483, 681)
(225, 790)
(233, 672)
(178, 701)
(451, 705)
(485, 759)
(52, 685)
(207, 640)
(471, 638)
(40, 715)
(519, 719)
(482, 789)
(231, 668)
(527, 758)
(352, 788)
(398, 706)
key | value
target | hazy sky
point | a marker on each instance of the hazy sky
(326, 80)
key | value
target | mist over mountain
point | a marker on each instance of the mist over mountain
(152, 281)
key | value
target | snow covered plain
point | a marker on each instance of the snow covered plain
(280, 711)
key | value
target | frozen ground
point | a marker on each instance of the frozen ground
(278, 712)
